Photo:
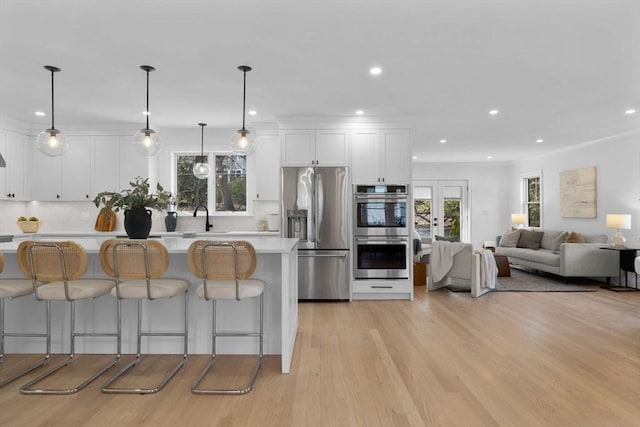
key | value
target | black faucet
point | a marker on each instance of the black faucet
(207, 226)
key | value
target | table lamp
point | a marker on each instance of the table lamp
(618, 221)
(518, 219)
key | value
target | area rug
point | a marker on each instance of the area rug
(523, 281)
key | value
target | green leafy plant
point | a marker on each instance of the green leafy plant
(24, 218)
(136, 197)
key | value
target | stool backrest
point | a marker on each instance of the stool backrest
(134, 259)
(52, 261)
(1, 262)
(221, 260)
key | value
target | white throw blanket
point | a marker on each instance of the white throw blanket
(441, 258)
(488, 269)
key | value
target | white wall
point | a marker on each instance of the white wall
(488, 190)
(617, 160)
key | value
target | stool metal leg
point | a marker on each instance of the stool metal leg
(214, 334)
(41, 362)
(137, 390)
(26, 389)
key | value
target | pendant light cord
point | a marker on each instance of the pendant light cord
(148, 112)
(53, 126)
(244, 96)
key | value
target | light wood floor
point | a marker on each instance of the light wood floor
(506, 359)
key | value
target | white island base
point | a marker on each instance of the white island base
(277, 264)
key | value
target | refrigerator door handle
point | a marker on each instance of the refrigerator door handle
(343, 255)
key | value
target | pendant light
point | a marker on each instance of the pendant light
(201, 169)
(147, 141)
(242, 141)
(51, 141)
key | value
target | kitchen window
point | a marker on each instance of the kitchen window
(228, 177)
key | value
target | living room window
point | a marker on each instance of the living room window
(532, 199)
(228, 177)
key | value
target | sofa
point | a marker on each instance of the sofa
(559, 252)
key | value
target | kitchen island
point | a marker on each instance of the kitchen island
(277, 264)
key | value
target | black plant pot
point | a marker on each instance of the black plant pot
(137, 223)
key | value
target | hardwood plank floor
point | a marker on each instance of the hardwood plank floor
(506, 359)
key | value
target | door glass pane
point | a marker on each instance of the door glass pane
(422, 206)
(452, 202)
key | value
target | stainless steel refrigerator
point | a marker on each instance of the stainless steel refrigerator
(315, 202)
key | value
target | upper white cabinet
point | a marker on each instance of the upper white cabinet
(381, 156)
(93, 164)
(67, 177)
(267, 168)
(13, 182)
(322, 147)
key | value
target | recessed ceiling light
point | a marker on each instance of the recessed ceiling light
(252, 112)
(443, 141)
(415, 157)
(630, 111)
(539, 141)
(493, 112)
(375, 71)
(146, 113)
(359, 112)
(40, 113)
(489, 157)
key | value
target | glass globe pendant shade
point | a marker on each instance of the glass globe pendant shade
(201, 170)
(147, 142)
(243, 142)
(52, 142)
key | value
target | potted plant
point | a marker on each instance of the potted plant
(136, 202)
(28, 225)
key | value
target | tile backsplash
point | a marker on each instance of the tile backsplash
(81, 216)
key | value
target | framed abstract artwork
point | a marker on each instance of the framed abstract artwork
(578, 193)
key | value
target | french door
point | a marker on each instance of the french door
(441, 209)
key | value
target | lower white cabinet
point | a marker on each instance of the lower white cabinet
(382, 289)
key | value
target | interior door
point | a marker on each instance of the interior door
(441, 209)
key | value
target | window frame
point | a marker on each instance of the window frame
(524, 196)
(211, 195)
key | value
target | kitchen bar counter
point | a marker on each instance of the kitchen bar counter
(277, 264)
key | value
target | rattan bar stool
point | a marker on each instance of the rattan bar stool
(225, 269)
(56, 270)
(138, 266)
(10, 289)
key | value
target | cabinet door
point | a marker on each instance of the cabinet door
(298, 147)
(76, 169)
(396, 146)
(16, 158)
(47, 176)
(332, 148)
(130, 164)
(365, 157)
(267, 168)
(106, 155)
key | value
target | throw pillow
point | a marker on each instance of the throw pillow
(510, 239)
(530, 239)
(574, 237)
(559, 239)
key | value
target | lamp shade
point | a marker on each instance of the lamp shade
(619, 221)
(518, 218)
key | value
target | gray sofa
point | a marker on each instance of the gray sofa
(566, 259)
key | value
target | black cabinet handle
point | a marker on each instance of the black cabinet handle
(57, 196)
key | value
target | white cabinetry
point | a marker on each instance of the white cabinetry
(321, 147)
(13, 183)
(92, 164)
(381, 156)
(267, 168)
(67, 177)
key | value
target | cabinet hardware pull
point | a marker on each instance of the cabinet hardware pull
(381, 286)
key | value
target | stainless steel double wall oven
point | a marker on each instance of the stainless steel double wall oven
(381, 232)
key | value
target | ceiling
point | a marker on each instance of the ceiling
(558, 70)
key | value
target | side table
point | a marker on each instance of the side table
(627, 261)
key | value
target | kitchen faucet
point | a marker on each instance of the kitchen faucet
(207, 226)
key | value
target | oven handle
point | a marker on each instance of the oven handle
(380, 240)
(303, 255)
(379, 198)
